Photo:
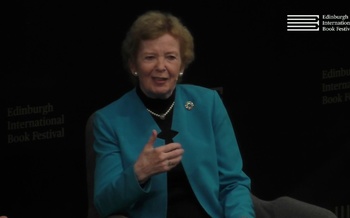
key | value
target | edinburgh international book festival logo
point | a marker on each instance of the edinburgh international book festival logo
(323, 23)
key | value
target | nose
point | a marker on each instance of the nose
(161, 64)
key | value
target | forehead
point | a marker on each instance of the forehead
(163, 42)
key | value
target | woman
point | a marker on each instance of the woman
(166, 149)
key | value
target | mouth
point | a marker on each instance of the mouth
(160, 79)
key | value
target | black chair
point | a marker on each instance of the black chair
(287, 207)
(282, 207)
(90, 168)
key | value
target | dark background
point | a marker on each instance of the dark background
(68, 53)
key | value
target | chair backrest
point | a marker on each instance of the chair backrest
(90, 166)
(287, 207)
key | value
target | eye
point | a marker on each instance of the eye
(171, 57)
(149, 57)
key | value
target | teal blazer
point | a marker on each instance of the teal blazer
(212, 160)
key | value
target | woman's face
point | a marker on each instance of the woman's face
(158, 64)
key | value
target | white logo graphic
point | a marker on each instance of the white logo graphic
(303, 22)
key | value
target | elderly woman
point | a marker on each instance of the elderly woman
(166, 149)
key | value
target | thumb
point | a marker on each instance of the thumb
(152, 138)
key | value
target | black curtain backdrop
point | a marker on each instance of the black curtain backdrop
(64, 57)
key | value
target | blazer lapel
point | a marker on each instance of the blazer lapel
(143, 122)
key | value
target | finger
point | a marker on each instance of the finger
(175, 154)
(172, 146)
(170, 163)
(152, 138)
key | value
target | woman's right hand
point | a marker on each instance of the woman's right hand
(153, 160)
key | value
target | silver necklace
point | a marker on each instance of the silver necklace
(162, 116)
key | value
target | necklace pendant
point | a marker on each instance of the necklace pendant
(162, 117)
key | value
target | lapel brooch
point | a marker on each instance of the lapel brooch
(189, 105)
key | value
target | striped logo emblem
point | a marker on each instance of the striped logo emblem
(303, 22)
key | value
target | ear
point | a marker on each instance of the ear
(182, 71)
(132, 67)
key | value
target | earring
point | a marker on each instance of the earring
(135, 73)
(181, 73)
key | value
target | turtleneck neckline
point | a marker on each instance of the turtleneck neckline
(155, 105)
